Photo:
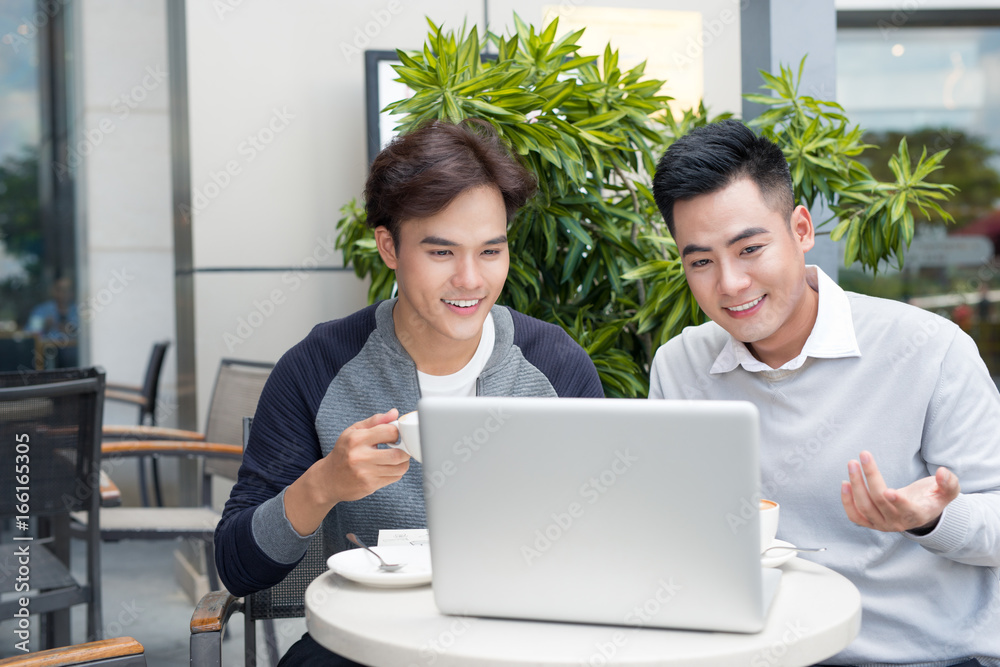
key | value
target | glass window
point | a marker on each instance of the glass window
(940, 88)
(39, 319)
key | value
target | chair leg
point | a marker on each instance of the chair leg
(55, 629)
(249, 639)
(143, 488)
(206, 649)
(95, 610)
(156, 481)
(210, 570)
(271, 642)
(58, 630)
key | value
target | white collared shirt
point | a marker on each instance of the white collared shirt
(832, 336)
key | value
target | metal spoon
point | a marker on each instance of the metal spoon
(387, 567)
(791, 548)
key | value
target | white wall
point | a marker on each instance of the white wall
(121, 159)
(298, 65)
(279, 71)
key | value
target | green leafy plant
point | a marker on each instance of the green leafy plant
(590, 250)
(876, 217)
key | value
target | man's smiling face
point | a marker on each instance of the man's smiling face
(745, 265)
(450, 268)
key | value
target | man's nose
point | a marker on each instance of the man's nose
(468, 274)
(732, 280)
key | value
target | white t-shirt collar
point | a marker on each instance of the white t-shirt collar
(832, 336)
(462, 382)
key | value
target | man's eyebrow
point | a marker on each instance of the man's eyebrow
(745, 234)
(690, 248)
(437, 240)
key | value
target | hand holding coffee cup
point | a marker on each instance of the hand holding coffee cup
(768, 523)
(409, 434)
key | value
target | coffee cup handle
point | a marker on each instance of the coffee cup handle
(399, 444)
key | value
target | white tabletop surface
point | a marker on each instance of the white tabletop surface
(815, 614)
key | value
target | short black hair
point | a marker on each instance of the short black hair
(714, 156)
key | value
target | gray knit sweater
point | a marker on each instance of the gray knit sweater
(343, 372)
(918, 397)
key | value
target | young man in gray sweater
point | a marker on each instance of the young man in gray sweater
(439, 200)
(880, 425)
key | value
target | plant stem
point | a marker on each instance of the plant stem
(646, 338)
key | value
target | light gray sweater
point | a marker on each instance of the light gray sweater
(918, 397)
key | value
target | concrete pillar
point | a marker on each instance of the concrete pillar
(779, 32)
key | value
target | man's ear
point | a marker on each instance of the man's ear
(386, 247)
(801, 226)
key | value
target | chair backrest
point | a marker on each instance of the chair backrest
(54, 419)
(286, 599)
(235, 395)
(151, 383)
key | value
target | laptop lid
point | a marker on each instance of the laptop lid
(615, 511)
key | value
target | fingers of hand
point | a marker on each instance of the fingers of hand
(361, 471)
(367, 437)
(847, 498)
(882, 496)
(862, 496)
(376, 419)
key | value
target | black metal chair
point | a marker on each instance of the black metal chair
(49, 441)
(119, 652)
(145, 398)
(286, 599)
(237, 389)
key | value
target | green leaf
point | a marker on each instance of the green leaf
(491, 109)
(577, 63)
(600, 120)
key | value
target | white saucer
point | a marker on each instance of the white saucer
(778, 557)
(360, 566)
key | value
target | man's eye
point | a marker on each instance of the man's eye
(441, 253)
(698, 263)
(491, 252)
(749, 250)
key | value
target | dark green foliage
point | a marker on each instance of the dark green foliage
(590, 251)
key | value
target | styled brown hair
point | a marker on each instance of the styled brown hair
(419, 173)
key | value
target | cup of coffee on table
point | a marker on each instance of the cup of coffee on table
(409, 434)
(768, 522)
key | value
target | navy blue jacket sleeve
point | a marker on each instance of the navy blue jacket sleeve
(283, 444)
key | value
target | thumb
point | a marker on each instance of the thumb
(947, 481)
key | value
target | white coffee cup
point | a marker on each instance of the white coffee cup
(768, 522)
(409, 434)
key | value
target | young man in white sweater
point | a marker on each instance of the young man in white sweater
(880, 425)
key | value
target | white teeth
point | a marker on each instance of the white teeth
(746, 306)
(462, 304)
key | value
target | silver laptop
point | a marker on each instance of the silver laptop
(612, 511)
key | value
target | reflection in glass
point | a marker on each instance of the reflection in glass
(939, 87)
(38, 325)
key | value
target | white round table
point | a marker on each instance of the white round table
(816, 613)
